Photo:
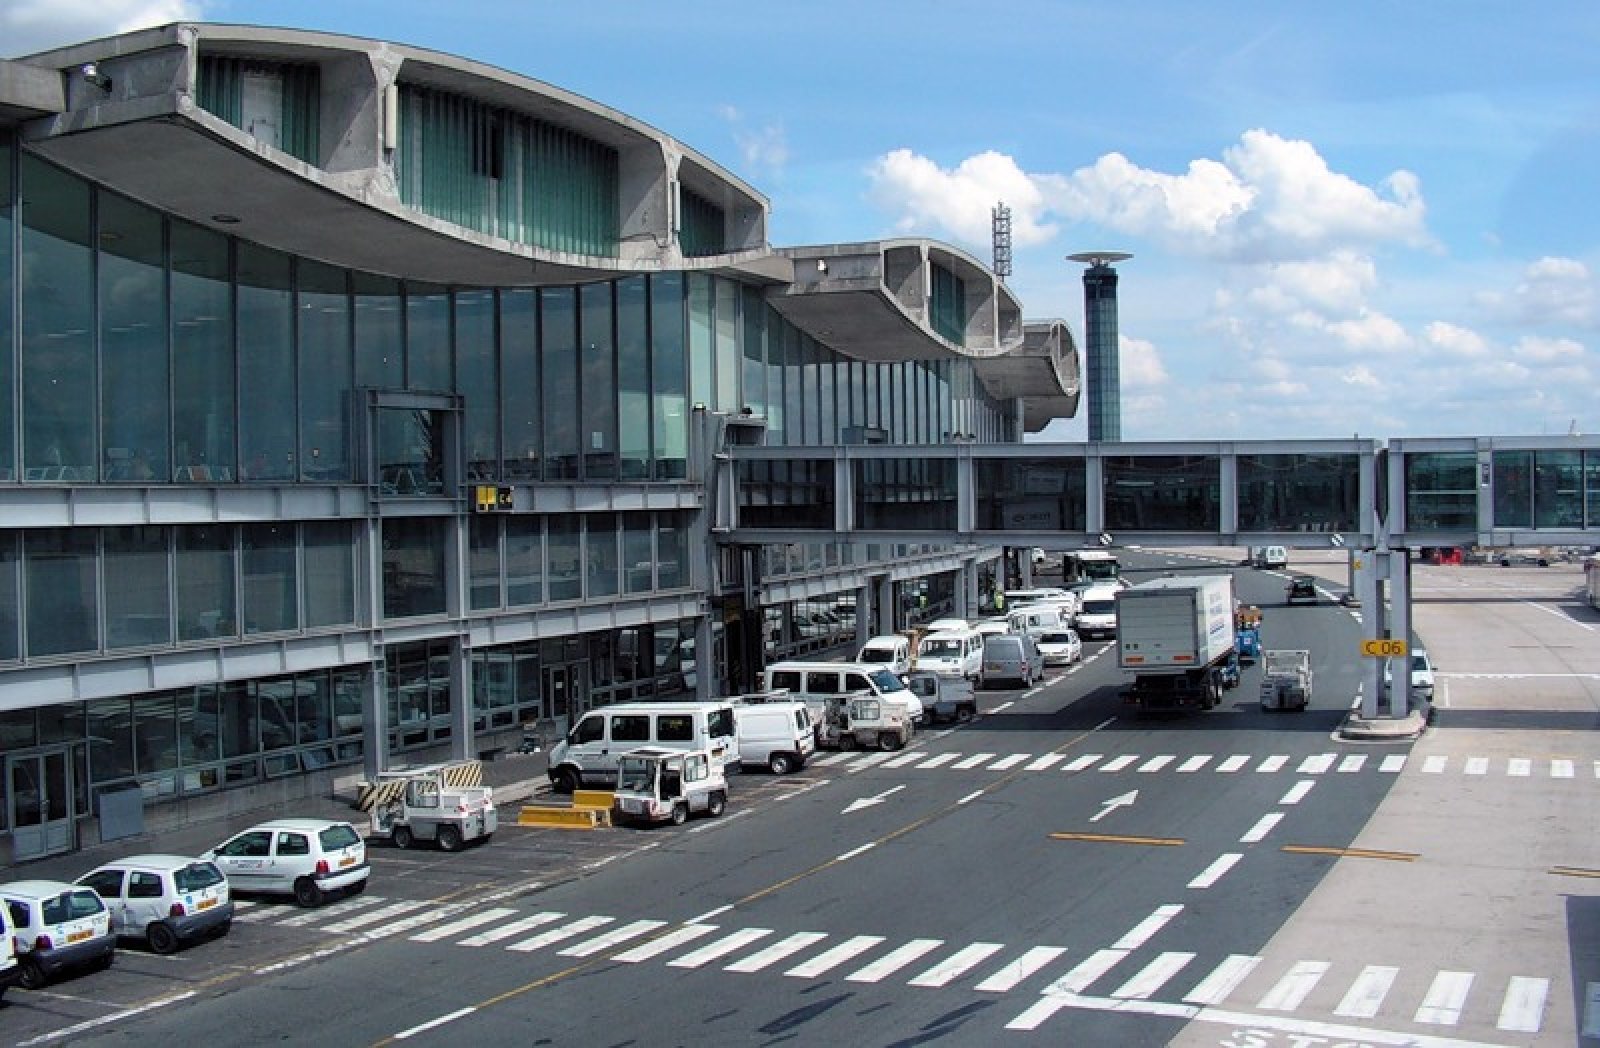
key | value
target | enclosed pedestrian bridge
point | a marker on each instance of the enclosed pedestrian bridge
(1401, 493)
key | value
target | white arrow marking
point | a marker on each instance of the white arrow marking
(1114, 803)
(867, 802)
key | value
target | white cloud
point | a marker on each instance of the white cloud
(27, 26)
(1371, 332)
(1551, 291)
(1361, 376)
(764, 150)
(1547, 350)
(1139, 364)
(960, 201)
(1269, 199)
(1454, 340)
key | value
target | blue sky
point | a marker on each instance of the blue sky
(1360, 218)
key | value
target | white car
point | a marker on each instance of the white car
(166, 900)
(57, 927)
(1421, 674)
(1060, 648)
(305, 858)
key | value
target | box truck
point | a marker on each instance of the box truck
(1175, 642)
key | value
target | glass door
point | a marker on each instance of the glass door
(40, 795)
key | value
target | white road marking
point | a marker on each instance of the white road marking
(1155, 764)
(957, 964)
(1393, 763)
(555, 935)
(1080, 763)
(1289, 991)
(1090, 969)
(105, 1020)
(938, 759)
(1366, 994)
(670, 941)
(1522, 1011)
(506, 931)
(1041, 763)
(1006, 763)
(1214, 873)
(444, 931)
(904, 759)
(974, 795)
(780, 950)
(615, 937)
(1009, 975)
(709, 914)
(1233, 764)
(1297, 792)
(1273, 763)
(1445, 998)
(1262, 827)
(853, 852)
(1153, 976)
(1519, 767)
(1195, 763)
(1118, 763)
(394, 909)
(972, 761)
(721, 948)
(1353, 762)
(1003, 706)
(1316, 764)
(1223, 980)
(435, 1023)
(1477, 765)
(1434, 765)
(1140, 933)
(827, 960)
(894, 960)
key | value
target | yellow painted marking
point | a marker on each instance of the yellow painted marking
(1352, 853)
(1573, 871)
(1113, 838)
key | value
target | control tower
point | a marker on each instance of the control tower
(1103, 376)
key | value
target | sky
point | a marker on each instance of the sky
(1348, 219)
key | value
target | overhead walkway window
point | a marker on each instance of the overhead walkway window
(506, 174)
(1539, 489)
(278, 103)
(949, 306)
(1163, 493)
(1021, 494)
(1299, 492)
(905, 494)
(1442, 491)
(794, 494)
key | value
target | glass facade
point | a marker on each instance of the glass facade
(1163, 493)
(1044, 494)
(1299, 492)
(1442, 491)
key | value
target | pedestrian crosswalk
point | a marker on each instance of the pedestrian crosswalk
(1129, 974)
(1219, 764)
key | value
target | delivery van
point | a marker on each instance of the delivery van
(592, 751)
(776, 735)
(816, 683)
(957, 653)
(890, 650)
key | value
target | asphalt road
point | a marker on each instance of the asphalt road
(1057, 871)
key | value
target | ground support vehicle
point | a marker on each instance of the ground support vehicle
(57, 928)
(660, 785)
(593, 748)
(309, 859)
(1248, 641)
(944, 697)
(164, 900)
(443, 803)
(845, 722)
(1176, 642)
(1301, 587)
(1286, 679)
(775, 732)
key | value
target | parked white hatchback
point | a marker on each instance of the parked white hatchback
(57, 927)
(305, 858)
(164, 900)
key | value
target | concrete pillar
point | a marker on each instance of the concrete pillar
(1369, 590)
(462, 715)
(375, 720)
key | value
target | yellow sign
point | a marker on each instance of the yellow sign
(1383, 648)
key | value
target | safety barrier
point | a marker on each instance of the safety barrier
(391, 784)
(562, 817)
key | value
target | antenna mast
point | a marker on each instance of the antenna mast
(1002, 241)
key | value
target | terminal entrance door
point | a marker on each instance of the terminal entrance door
(39, 795)
(566, 692)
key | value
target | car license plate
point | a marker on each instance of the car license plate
(80, 935)
(348, 860)
(206, 904)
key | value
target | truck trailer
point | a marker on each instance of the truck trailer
(1176, 642)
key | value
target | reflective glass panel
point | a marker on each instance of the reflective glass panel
(271, 602)
(519, 385)
(138, 593)
(898, 495)
(410, 452)
(476, 382)
(8, 456)
(565, 558)
(1513, 489)
(266, 366)
(599, 384)
(1163, 493)
(669, 376)
(558, 347)
(380, 364)
(326, 372)
(10, 562)
(110, 730)
(1441, 491)
(427, 339)
(1042, 494)
(330, 574)
(638, 552)
(63, 595)
(633, 379)
(484, 561)
(524, 561)
(134, 399)
(600, 540)
(202, 357)
(1299, 492)
(205, 576)
(1558, 489)
(413, 566)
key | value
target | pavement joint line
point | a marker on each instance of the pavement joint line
(1119, 838)
(1353, 853)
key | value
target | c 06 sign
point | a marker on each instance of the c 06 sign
(1383, 648)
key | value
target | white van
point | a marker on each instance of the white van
(1098, 618)
(593, 749)
(814, 683)
(1043, 595)
(1270, 557)
(778, 735)
(890, 650)
(1038, 619)
(956, 653)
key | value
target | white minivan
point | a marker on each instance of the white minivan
(956, 653)
(1038, 619)
(1097, 619)
(592, 751)
(815, 683)
(778, 736)
(890, 650)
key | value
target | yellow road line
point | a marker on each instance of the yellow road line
(1113, 838)
(1573, 871)
(1352, 853)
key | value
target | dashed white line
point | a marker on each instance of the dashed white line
(1214, 873)
(1262, 827)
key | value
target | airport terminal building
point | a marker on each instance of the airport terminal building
(361, 404)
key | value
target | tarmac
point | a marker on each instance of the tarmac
(515, 778)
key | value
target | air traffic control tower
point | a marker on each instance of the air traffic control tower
(1104, 380)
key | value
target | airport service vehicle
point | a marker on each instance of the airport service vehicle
(774, 731)
(56, 928)
(1247, 632)
(818, 684)
(442, 803)
(164, 900)
(1286, 679)
(593, 749)
(944, 697)
(1270, 558)
(658, 785)
(1012, 656)
(955, 652)
(1097, 617)
(1176, 642)
(891, 651)
(1421, 674)
(306, 858)
(1090, 566)
(9, 972)
(1061, 648)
